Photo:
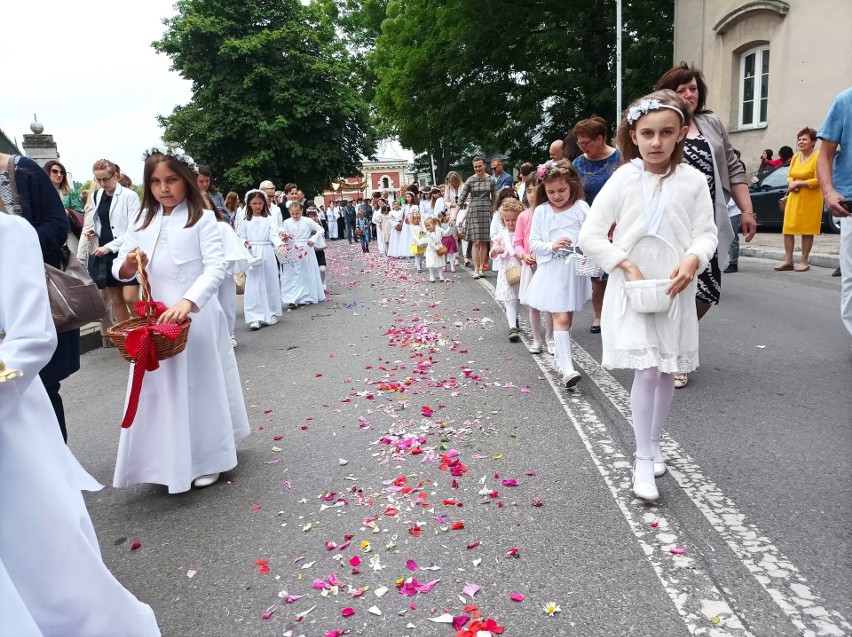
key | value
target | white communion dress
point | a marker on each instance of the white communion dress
(262, 298)
(301, 282)
(191, 410)
(53, 582)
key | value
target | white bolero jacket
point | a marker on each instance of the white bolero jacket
(689, 216)
(540, 243)
(200, 242)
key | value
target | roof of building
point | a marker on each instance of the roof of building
(7, 146)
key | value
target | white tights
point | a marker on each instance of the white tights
(322, 274)
(512, 312)
(535, 325)
(418, 262)
(650, 401)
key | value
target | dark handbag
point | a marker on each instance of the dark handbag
(75, 300)
(76, 220)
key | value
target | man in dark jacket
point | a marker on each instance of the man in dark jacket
(42, 207)
(349, 215)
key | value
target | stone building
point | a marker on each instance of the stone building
(771, 67)
(7, 146)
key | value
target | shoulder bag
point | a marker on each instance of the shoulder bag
(75, 300)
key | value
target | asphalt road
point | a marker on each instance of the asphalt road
(751, 535)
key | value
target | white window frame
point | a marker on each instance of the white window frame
(759, 52)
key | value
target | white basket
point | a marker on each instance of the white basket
(289, 257)
(648, 296)
(583, 265)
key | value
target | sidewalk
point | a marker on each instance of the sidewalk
(770, 245)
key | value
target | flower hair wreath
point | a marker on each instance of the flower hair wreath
(180, 156)
(547, 169)
(253, 191)
(646, 106)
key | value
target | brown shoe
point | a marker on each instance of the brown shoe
(783, 267)
(802, 268)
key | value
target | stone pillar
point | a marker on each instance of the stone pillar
(38, 147)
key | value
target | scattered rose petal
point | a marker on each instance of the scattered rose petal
(136, 545)
(191, 573)
(517, 597)
(470, 589)
(678, 550)
(347, 612)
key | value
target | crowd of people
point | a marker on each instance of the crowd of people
(640, 228)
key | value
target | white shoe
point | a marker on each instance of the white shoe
(431, 279)
(551, 348)
(660, 468)
(535, 348)
(234, 341)
(205, 481)
(642, 490)
(254, 326)
(571, 378)
(273, 321)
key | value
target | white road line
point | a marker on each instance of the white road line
(698, 601)
(786, 586)
(771, 568)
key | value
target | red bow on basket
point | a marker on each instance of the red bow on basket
(140, 345)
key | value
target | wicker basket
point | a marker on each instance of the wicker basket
(513, 275)
(165, 347)
(584, 266)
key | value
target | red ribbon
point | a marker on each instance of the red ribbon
(140, 345)
(142, 308)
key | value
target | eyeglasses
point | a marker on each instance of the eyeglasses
(57, 171)
(585, 143)
(105, 180)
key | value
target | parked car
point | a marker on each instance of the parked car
(764, 199)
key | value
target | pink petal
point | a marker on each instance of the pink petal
(332, 579)
(319, 584)
(460, 621)
(470, 590)
(136, 545)
(517, 597)
(347, 612)
(355, 561)
(678, 550)
(510, 483)
(411, 565)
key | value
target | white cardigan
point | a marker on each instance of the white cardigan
(689, 213)
(122, 213)
(540, 244)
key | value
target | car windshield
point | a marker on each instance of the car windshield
(776, 179)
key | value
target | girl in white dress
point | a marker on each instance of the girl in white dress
(191, 411)
(301, 282)
(555, 287)
(503, 252)
(53, 582)
(262, 298)
(398, 247)
(417, 239)
(238, 260)
(653, 194)
(434, 235)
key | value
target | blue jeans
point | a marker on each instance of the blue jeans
(365, 242)
(734, 252)
(350, 230)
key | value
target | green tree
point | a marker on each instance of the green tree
(274, 92)
(456, 76)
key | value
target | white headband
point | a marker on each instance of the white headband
(645, 106)
(251, 192)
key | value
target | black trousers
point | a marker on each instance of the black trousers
(58, 408)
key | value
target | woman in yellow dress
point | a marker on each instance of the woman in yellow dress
(803, 213)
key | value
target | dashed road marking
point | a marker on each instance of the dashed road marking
(704, 608)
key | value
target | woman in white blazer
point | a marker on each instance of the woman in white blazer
(190, 411)
(114, 209)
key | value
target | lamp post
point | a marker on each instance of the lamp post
(617, 61)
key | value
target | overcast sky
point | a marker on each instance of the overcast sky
(88, 71)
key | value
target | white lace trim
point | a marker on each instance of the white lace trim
(644, 359)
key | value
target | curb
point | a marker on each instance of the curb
(822, 260)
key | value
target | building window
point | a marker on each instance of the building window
(385, 182)
(754, 87)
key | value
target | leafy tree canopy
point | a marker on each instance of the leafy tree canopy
(275, 92)
(456, 76)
